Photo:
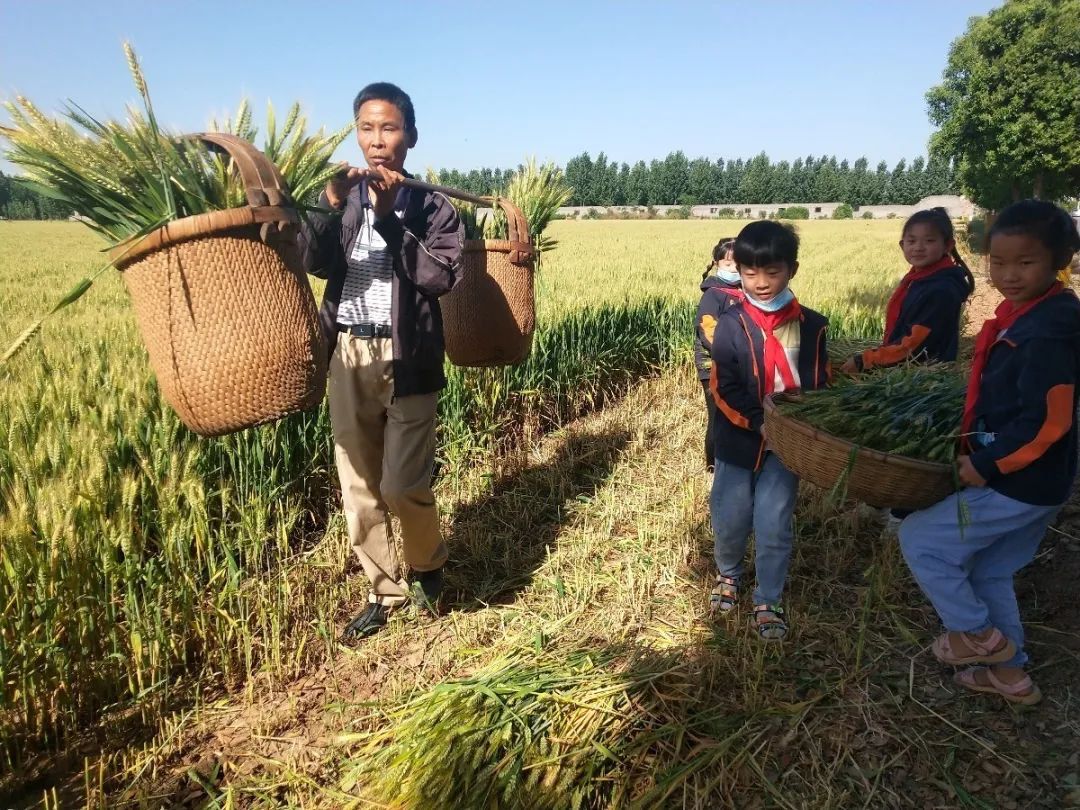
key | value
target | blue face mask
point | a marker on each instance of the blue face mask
(727, 276)
(778, 302)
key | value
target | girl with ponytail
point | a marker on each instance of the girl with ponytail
(922, 321)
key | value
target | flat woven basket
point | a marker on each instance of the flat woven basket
(225, 308)
(490, 315)
(879, 479)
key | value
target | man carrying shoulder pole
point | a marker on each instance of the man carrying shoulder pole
(387, 258)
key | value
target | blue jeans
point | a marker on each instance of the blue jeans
(968, 576)
(764, 501)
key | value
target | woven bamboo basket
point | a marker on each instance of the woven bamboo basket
(879, 479)
(225, 309)
(490, 315)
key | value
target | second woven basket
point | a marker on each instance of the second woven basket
(490, 315)
(876, 478)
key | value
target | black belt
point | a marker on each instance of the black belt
(366, 330)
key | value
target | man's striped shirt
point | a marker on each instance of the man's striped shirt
(367, 294)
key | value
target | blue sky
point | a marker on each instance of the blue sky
(495, 82)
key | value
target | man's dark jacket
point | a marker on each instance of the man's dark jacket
(426, 245)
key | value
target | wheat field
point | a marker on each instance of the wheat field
(164, 587)
(137, 553)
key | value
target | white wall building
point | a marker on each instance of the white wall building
(958, 207)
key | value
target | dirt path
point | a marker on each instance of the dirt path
(982, 303)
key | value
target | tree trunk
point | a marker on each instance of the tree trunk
(1038, 192)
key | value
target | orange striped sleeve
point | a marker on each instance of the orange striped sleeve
(894, 353)
(732, 415)
(1059, 416)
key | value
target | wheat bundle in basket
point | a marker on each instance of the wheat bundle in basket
(887, 438)
(203, 228)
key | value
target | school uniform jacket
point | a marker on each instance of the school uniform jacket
(1027, 401)
(713, 302)
(928, 328)
(738, 383)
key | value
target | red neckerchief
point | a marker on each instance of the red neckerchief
(776, 359)
(896, 302)
(1006, 314)
(734, 292)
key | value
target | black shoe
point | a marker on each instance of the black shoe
(431, 583)
(368, 623)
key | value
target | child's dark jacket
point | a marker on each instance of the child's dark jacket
(714, 301)
(1027, 402)
(738, 384)
(928, 329)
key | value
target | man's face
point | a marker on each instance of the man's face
(381, 133)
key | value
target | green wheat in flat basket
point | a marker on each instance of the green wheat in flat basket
(909, 410)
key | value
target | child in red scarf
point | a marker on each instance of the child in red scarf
(720, 289)
(923, 317)
(1020, 459)
(767, 343)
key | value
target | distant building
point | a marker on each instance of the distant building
(958, 208)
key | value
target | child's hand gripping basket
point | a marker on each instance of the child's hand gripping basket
(225, 308)
(879, 479)
(490, 315)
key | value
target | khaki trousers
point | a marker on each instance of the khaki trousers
(384, 447)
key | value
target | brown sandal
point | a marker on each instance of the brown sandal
(996, 649)
(1024, 692)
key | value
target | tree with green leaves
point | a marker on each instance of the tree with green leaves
(675, 177)
(622, 185)
(828, 184)
(637, 184)
(701, 187)
(756, 185)
(859, 184)
(1008, 108)
(601, 191)
(578, 173)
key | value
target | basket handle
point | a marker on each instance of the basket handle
(269, 203)
(262, 181)
(521, 249)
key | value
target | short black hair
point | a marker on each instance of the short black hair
(766, 242)
(390, 93)
(1045, 221)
